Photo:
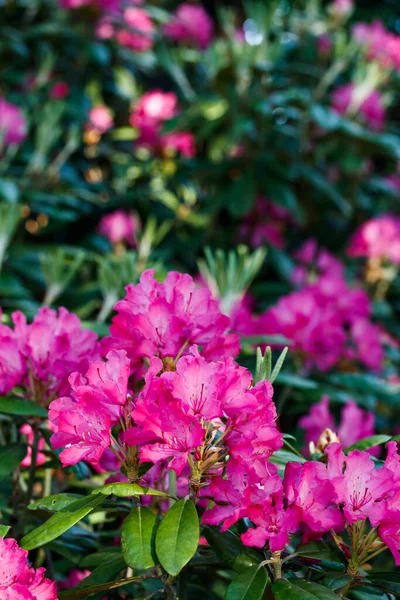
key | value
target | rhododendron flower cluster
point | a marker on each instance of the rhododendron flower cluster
(41, 355)
(378, 238)
(314, 263)
(380, 44)
(351, 99)
(319, 425)
(190, 25)
(120, 227)
(13, 126)
(18, 580)
(149, 114)
(164, 319)
(135, 33)
(100, 119)
(328, 323)
(266, 224)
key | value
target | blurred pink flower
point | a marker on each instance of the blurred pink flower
(377, 238)
(74, 577)
(315, 262)
(141, 38)
(41, 458)
(13, 127)
(190, 25)
(265, 224)
(120, 226)
(148, 116)
(371, 108)
(59, 91)
(342, 7)
(380, 44)
(324, 44)
(101, 119)
(355, 423)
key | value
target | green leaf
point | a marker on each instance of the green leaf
(60, 522)
(125, 490)
(21, 407)
(137, 539)
(100, 580)
(369, 442)
(248, 585)
(319, 551)
(4, 529)
(296, 382)
(387, 581)
(300, 589)
(10, 457)
(336, 581)
(228, 546)
(55, 503)
(178, 536)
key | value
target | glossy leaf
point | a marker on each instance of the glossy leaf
(369, 442)
(21, 407)
(55, 503)
(178, 536)
(60, 522)
(4, 529)
(126, 490)
(137, 538)
(248, 585)
(299, 589)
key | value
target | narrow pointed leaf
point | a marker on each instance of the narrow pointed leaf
(125, 490)
(60, 522)
(55, 503)
(4, 529)
(21, 407)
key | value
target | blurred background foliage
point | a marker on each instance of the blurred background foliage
(258, 101)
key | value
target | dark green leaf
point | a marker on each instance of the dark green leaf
(389, 581)
(178, 536)
(137, 538)
(300, 589)
(319, 551)
(22, 407)
(10, 457)
(228, 546)
(248, 585)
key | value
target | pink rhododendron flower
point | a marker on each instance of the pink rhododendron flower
(12, 365)
(315, 262)
(328, 322)
(371, 108)
(380, 44)
(356, 424)
(13, 126)
(342, 7)
(148, 116)
(59, 90)
(359, 486)
(182, 142)
(105, 5)
(265, 224)
(162, 319)
(40, 458)
(311, 500)
(190, 25)
(120, 227)
(100, 119)
(18, 580)
(83, 420)
(377, 238)
(140, 38)
(74, 578)
(52, 346)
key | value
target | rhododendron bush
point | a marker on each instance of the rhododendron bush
(199, 300)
